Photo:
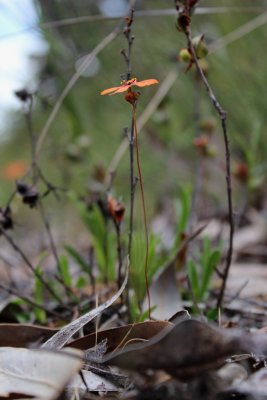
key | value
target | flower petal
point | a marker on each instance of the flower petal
(110, 90)
(121, 89)
(146, 82)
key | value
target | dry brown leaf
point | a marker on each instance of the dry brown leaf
(185, 351)
(62, 337)
(118, 337)
(20, 335)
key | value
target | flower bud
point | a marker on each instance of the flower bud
(200, 46)
(241, 171)
(211, 151)
(201, 142)
(204, 65)
(207, 125)
(185, 55)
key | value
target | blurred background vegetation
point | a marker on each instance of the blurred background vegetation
(88, 128)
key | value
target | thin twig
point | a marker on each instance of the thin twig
(37, 173)
(53, 247)
(32, 137)
(128, 54)
(30, 266)
(32, 303)
(119, 251)
(127, 57)
(49, 233)
(222, 115)
(172, 76)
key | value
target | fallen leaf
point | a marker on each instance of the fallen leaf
(184, 351)
(39, 373)
(20, 335)
(64, 335)
(118, 337)
(94, 383)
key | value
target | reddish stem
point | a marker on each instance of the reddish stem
(143, 207)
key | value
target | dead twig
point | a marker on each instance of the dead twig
(32, 303)
(184, 24)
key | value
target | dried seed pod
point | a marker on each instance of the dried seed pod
(6, 221)
(23, 95)
(31, 197)
(22, 187)
(29, 194)
(183, 22)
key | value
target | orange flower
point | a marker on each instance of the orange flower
(14, 170)
(125, 85)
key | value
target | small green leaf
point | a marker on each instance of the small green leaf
(78, 258)
(65, 271)
(185, 199)
(208, 270)
(81, 282)
(38, 295)
(193, 278)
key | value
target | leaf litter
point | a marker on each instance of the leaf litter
(191, 354)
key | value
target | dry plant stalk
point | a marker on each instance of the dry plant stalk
(184, 25)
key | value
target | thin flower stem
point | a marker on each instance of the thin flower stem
(222, 114)
(36, 171)
(144, 209)
(32, 138)
(49, 233)
(132, 188)
(144, 117)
